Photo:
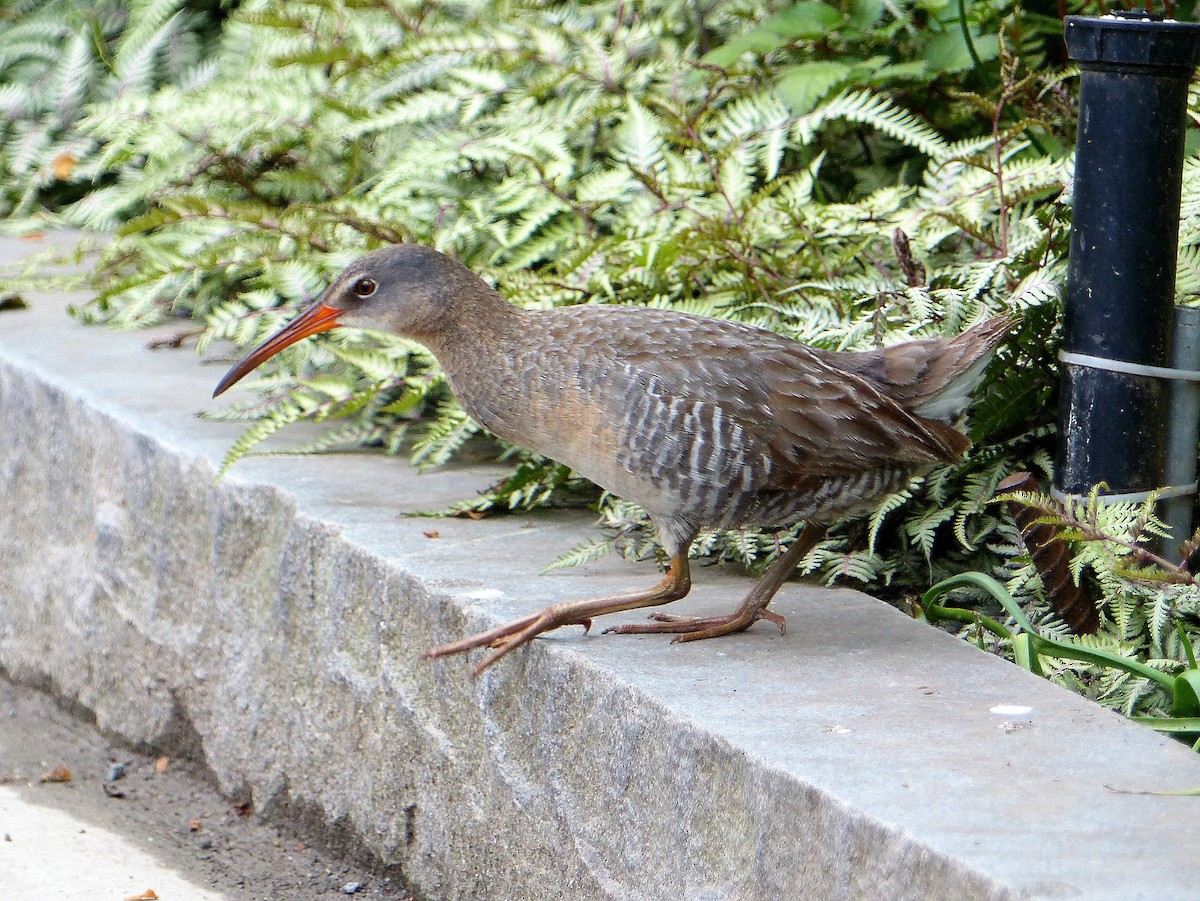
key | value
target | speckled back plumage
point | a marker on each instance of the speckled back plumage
(713, 423)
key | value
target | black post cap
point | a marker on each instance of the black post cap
(1133, 38)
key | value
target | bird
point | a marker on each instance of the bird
(702, 422)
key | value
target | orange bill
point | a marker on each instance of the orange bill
(317, 318)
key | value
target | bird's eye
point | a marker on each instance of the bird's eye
(365, 287)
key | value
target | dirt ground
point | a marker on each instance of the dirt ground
(168, 808)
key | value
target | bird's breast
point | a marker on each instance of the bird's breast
(610, 415)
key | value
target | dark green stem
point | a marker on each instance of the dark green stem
(966, 33)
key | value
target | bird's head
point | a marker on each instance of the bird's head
(405, 289)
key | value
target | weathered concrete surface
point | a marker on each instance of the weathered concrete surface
(275, 622)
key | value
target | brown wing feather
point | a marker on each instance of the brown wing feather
(831, 422)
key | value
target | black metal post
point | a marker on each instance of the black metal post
(1124, 236)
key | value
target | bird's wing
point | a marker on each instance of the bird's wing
(732, 399)
(775, 398)
(830, 422)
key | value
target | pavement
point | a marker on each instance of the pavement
(84, 817)
(49, 854)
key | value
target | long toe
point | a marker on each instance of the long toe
(544, 622)
(501, 647)
(695, 628)
(667, 625)
(717, 626)
(484, 639)
(505, 639)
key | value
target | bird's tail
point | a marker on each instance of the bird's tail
(944, 390)
(934, 377)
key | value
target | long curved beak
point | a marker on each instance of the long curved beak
(317, 318)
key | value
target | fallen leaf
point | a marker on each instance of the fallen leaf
(33, 236)
(243, 810)
(1178, 792)
(160, 765)
(63, 164)
(148, 895)
(432, 533)
(176, 340)
(194, 825)
(59, 774)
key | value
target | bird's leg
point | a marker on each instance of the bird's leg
(752, 609)
(675, 584)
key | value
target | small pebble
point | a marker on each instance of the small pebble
(112, 790)
(117, 771)
(351, 887)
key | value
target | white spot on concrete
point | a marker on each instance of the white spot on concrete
(1011, 710)
(485, 594)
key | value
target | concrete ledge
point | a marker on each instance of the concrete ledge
(273, 623)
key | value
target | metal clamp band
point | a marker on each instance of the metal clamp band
(1158, 372)
(1129, 497)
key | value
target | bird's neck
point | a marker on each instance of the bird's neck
(483, 325)
(479, 351)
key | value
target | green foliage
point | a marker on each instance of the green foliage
(59, 56)
(1146, 671)
(924, 55)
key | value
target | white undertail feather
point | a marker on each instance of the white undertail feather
(951, 404)
(949, 398)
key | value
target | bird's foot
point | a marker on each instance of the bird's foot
(696, 628)
(504, 639)
(507, 638)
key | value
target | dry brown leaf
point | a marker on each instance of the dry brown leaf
(59, 774)
(432, 533)
(1052, 558)
(148, 895)
(194, 825)
(63, 164)
(160, 765)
